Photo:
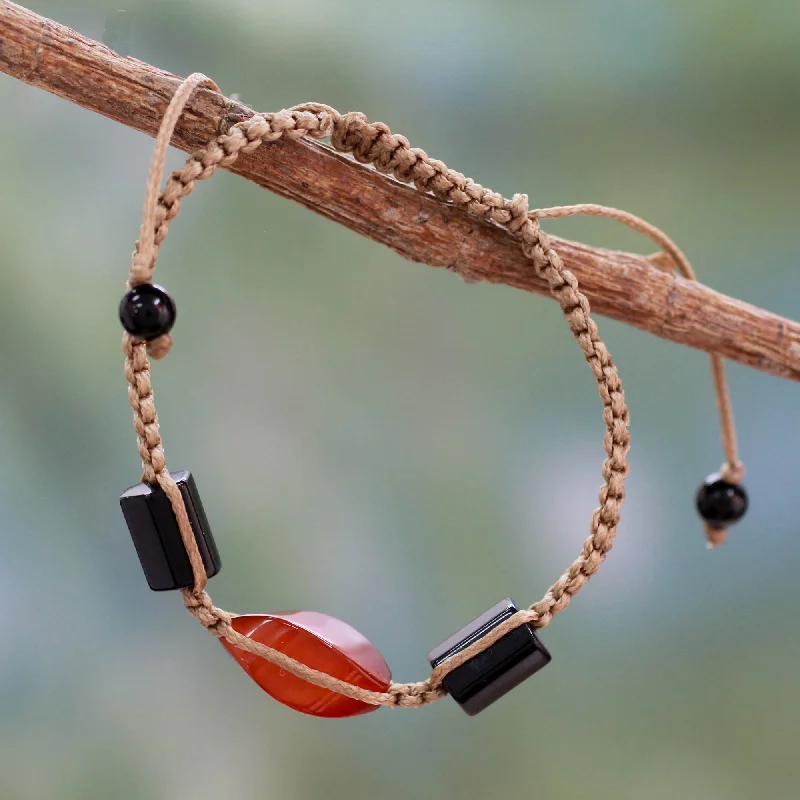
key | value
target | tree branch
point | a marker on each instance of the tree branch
(627, 287)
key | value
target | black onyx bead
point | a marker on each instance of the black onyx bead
(477, 683)
(156, 536)
(721, 503)
(147, 312)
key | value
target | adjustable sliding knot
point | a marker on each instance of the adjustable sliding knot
(313, 121)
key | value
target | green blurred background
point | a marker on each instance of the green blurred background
(377, 440)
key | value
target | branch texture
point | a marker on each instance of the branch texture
(631, 288)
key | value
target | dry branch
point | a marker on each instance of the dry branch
(623, 286)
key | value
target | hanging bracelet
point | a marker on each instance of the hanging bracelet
(310, 661)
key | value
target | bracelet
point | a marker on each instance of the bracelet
(310, 661)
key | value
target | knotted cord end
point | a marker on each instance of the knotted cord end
(715, 536)
(158, 348)
(732, 472)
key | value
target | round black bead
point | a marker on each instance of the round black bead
(721, 503)
(147, 312)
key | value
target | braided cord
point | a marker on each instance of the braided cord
(373, 143)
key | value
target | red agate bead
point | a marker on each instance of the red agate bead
(320, 642)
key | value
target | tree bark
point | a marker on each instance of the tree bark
(626, 287)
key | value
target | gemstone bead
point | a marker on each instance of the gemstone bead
(721, 503)
(156, 537)
(486, 677)
(147, 311)
(320, 642)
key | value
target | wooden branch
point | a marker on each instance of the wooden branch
(630, 288)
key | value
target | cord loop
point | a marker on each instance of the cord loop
(374, 143)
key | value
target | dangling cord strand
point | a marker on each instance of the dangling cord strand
(733, 469)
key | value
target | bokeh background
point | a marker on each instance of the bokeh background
(377, 440)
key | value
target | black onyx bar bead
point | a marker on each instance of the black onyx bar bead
(156, 536)
(477, 683)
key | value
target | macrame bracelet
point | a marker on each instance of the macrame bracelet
(310, 661)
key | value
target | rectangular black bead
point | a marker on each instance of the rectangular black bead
(477, 683)
(156, 537)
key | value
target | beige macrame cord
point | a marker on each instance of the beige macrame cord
(374, 143)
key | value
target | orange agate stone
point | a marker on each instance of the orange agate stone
(320, 642)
